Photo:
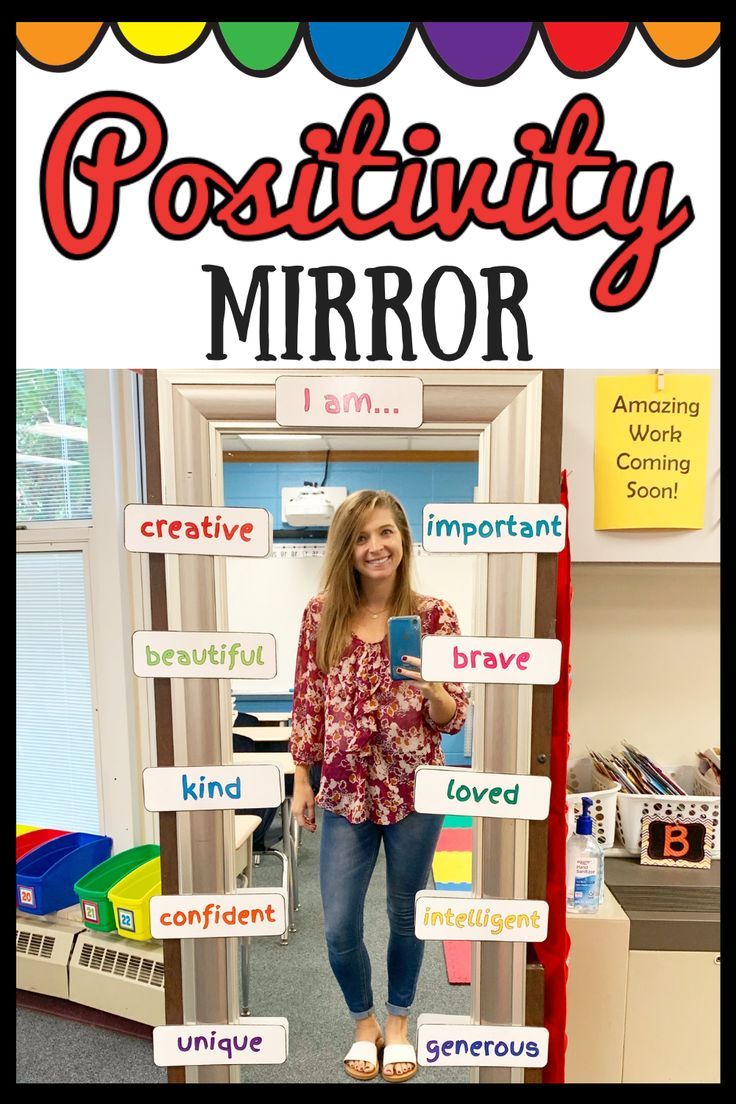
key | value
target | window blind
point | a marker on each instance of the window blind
(56, 768)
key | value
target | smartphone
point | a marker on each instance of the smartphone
(404, 639)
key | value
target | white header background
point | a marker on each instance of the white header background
(144, 301)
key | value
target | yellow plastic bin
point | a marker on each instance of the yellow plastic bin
(131, 897)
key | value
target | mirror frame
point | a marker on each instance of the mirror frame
(517, 415)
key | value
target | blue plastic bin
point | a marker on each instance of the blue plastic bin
(45, 877)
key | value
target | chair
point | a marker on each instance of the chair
(245, 826)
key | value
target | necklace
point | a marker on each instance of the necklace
(372, 614)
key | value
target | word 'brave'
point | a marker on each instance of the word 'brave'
(491, 660)
(246, 206)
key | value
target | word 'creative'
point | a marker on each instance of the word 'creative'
(195, 530)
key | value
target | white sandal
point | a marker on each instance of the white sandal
(395, 1053)
(364, 1052)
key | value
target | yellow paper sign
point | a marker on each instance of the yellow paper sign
(651, 448)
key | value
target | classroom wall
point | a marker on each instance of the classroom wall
(414, 484)
(645, 658)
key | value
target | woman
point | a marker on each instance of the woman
(370, 734)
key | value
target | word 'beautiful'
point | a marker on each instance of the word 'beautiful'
(246, 206)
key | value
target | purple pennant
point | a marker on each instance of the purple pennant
(479, 51)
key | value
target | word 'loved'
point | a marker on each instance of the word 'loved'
(464, 793)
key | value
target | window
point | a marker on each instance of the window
(57, 776)
(52, 456)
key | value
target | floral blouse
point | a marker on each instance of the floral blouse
(369, 732)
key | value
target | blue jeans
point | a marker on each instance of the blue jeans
(348, 855)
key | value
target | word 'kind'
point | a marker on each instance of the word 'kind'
(244, 203)
(166, 789)
(204, 655)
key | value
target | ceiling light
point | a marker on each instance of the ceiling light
(280, 436)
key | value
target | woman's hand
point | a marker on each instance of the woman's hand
(302, 803)
(441, 704)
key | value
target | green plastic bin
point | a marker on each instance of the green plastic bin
(98, 912)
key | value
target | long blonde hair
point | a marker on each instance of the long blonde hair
(340, 580)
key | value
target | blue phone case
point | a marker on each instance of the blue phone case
(404, 638)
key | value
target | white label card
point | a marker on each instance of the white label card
(475, 793)
(461, 916)
(525, 661)
(198, 530)
(443, 1044)
(493, 527)
(223, 655)
(326, 401)
(189, 789)
(253, 1042)
(202, 916)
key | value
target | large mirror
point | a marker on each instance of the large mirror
(267, 470)
(492, 436)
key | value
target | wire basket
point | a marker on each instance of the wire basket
(585, 782)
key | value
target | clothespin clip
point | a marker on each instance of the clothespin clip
(660, 379)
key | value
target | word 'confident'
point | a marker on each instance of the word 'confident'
(245, 206)
(199, 915)
(228, 917)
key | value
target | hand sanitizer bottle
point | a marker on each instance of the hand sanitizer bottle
(584, 866)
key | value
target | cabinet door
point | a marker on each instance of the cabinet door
(672, 1018)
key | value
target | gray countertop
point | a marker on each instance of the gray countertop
(669, 909)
